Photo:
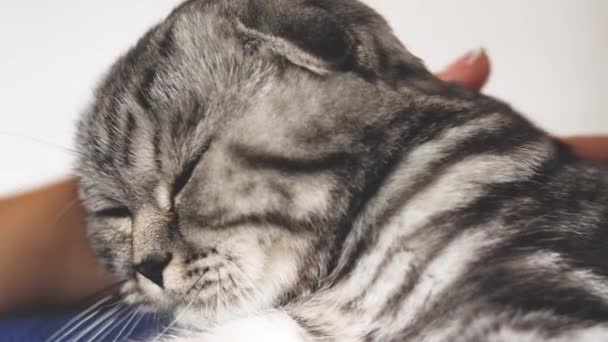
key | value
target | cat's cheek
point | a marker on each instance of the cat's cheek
(111, 243)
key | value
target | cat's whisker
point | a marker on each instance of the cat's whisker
(251, 287)
(64, 212)
(250, 283)
(68, 150)
(107, 328)
(90, 312)
(243, 296)
(218, 296)
(246, 301)
(244, 278)
(240, 295)
(79, 319)
(183, 311)
(95, 324)
(139, 316)
(155, 319)
(118, 322)
(124, 322)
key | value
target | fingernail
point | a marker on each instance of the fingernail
(474, 55)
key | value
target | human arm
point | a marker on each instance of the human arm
(44, 258)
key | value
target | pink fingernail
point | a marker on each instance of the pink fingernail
(474, 55)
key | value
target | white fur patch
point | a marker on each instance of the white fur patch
(163, 196)
(269, 327)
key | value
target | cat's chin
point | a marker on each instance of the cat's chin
(148, 296)
(189, 312)
(192, 318)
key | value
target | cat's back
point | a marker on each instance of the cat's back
(539, 269)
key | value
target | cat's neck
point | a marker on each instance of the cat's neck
(419, 141)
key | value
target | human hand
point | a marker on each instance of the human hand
(473, 70)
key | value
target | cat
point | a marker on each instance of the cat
(287, 167)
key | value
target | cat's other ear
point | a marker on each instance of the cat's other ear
(305, 35)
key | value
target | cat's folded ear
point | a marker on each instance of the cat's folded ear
(305, 35)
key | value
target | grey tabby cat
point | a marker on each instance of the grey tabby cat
(288, 161)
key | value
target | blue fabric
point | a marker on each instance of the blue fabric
(40, 328)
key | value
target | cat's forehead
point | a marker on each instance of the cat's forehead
(164, 99)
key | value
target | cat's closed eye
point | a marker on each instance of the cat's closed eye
(114, 212)
(184, 177)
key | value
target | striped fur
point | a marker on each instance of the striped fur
(299, 167)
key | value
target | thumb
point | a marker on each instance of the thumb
(471, 70)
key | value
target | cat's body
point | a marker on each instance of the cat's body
(289, 162)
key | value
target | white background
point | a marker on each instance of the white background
(550, 60)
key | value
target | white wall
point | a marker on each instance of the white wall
(550, 56)
(550, 60)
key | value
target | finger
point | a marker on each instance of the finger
(589, 147)
(471, 70)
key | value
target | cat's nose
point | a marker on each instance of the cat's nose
(153, 265)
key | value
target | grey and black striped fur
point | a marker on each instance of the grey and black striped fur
(291, 156)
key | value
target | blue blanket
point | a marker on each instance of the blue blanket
(127, 326)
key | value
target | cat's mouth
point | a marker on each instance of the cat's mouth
(138, 294)
(210, 290)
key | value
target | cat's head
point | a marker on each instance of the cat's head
(226, 154)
